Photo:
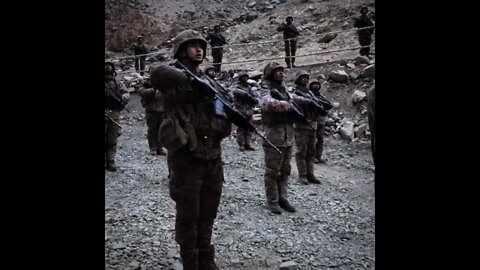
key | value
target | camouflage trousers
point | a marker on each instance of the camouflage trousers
(277, 170)
(304, 151)
(196, 187)
(154, 120)
(319, 143)
(112, 132)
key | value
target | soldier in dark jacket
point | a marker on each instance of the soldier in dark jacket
(139, 49)
(290, 34)
(217, 40)
(364, 35)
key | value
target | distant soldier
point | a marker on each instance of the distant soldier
(290, 34)
(364, 35)
(139, 49)
(217, 40)
(244, 100)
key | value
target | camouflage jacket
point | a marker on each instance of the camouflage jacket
(278, 125)
(181, 98)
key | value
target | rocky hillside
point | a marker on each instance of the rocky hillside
(160, 20)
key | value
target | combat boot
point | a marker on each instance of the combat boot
(249, 148)
(241, 148)
(160, 151)
(153, 152)
(111, 166)
(206, 259)
(189, 259)
(310, 172)
(303, 180)
(312, 179)
(286, 205)
(319, 160)
(274, 207)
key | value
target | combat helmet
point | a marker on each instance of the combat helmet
(300, 74)
(112, 65)
(314, 81)
(186, 36)
(270, 68)
(242, 73)
(207, 68)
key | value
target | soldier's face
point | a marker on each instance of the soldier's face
(278, 75)
(195, 51)
(315, 87)
(108, 69)
(289, 21)
(304, 80)
(211, 73)
(244, 78)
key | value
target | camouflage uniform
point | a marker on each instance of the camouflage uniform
(319, 134)
(138, 49)
(196, 170)
(217, 39)
(154, 114)
(245, 105)
(112, 131)
(364, 35)
(278, 126)
(290, 34)
(305, 136)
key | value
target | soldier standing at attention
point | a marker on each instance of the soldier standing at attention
(194, 151)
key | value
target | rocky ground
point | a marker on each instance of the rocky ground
(333, 228)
